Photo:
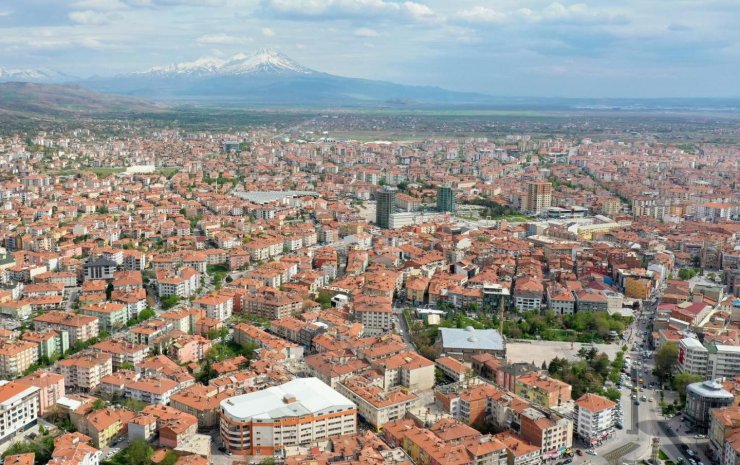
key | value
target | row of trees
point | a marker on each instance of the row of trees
(581, 326)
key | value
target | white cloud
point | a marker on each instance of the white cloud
(366, 32)
(267, 32)
(482, 14)
(222, 39)
(356, 9)
(98, 5)
(89, 17)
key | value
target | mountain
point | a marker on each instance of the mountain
(26, 98)
(33, 75)
(265, 61)
(268, 78)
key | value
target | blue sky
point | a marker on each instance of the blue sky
(596, 48)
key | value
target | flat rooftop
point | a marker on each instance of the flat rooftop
(302, 396)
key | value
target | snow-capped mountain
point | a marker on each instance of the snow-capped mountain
(267, 78)
(264, 61)
(32, 75)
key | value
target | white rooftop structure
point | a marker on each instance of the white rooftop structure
(472, 339)
(302, 396)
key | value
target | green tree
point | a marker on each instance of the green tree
(146, 314)
(686, 273)
(613, 394)
(134, 405)
(140, 452)
(682, 380)
(99, 404)
(170, 458)
(665, 359)
(268, 461)
(169, 301)
(324, 298)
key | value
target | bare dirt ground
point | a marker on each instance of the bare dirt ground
(543, 351)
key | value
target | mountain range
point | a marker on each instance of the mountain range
(264, 78)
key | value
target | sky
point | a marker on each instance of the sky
(596, 48)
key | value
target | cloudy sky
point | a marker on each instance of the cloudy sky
(596, 48)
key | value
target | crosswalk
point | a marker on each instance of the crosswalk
(614, 455)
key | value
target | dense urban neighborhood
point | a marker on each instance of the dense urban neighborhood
(282, 295)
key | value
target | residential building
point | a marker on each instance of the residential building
(80, 327)
(111, 316)
(19, 407)
(376, 405)
(16, 357)
(384, 206)
(593, 417)
(542, 390)
(85, 369)
(51, 388)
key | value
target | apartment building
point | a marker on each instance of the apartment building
(49, 343)
(300, 412)
(376, 405)
(593, 417)
(124, 353)
(407, 369)
(248, 334)
(542, 389)
(51, 388)
(80, 327)
(219, 307)
(19, 407)
(540, 197)
(105, 425)
(175, 428)
(710, 361)
(272, 303)
(552, 433)
(111, 316)
(375, 313)
(16, 357)
(85, 370)
(182, 283)
(152, 390)
(203, 402)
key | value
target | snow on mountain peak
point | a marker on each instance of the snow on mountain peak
(263, 61)
(32, 75)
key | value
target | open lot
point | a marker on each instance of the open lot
(544, 351)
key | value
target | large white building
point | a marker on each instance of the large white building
(19, 407)
(593, 417)
(299, 412)
(711, 361)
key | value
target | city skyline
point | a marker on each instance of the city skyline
(504, 48)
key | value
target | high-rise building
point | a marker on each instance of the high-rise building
(445, 199)
(385, 204)
(540, 196)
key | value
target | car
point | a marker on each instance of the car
(618, 425)
(650, 399)
(591, 452)
(637, 402)
(680, 461)
(579, 452)
(692, 461)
